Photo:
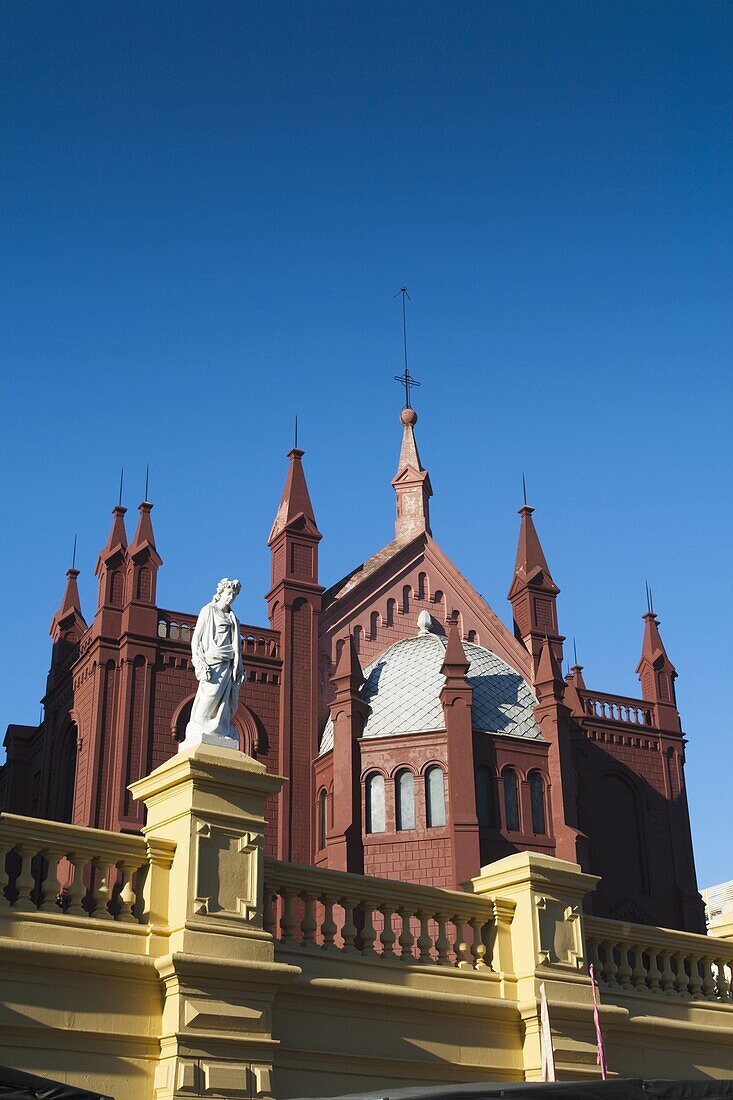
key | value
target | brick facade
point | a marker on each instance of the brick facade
(603, 787)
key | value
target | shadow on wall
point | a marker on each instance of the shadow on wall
(639, 841)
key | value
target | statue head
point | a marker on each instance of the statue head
(227, 591)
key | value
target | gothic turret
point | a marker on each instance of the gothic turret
(144, 560)
(657, 675)
(68, 624)
(112, 562)
(411, 484)
(294, 604)
(533, 593)
(348, 713)
(456, 697)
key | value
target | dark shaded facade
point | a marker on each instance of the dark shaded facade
(485, 749)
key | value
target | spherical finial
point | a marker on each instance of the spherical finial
(424, 623)
(408, 416)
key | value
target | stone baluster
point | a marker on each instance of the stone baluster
(442, 943)
(460, 947)
(308, 924)
(667, 979)
(479, 945)
(722, 985)
(610, 970)
(49, 890)
(101, 894)
(387, 936)
(407, 940)
(349, 929)
(424, 940)
(25, 883)
(708, 981)
(126, 898)
(654, 971)
(76, 890)
(368, 931)
(287, 920)
(681, 981)
(695, 985)
(624, 970)
(328, 924)
(639, 972)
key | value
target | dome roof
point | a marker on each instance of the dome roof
(403, 685)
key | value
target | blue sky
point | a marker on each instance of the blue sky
(207, 211)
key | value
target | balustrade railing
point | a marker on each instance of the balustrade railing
(641, 959)
(65, 869)
(617, 708)
(330, 911)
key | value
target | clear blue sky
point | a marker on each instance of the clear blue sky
(207, 209)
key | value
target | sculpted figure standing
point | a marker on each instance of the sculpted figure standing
(217, 661)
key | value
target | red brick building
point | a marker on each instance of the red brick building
(420, 738)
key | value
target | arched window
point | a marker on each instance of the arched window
(391, 606)
(485, 797)
(438, 596)
(511, 800)
(434, 797)
(144, 585)
(405, 800)
(537, 800)
(406, 594)
(358, 631)
(322, 819)
(422, 586)
(375, 816)
(472, 637)
(373, 625)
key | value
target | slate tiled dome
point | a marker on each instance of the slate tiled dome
(403, 690)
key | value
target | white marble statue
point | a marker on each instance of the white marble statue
(217, 660)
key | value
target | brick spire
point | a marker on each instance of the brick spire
(295, 505)
(657, 674)
(549, 680)
(145, 561)
(456, 697)
(533, 593)
(348, 713)
(411, 484)
(294, 605)
(112, 560)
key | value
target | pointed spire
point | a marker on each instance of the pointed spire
(295, 504)
(69, 614)
(531, 564)
(549, 673)
(455, 663)
(118, 534)
(143, 536)
(411, 484)
(657, 674)
(348, 672)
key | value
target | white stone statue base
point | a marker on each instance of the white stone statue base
(220, 741)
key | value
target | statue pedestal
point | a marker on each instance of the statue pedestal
(217, 965)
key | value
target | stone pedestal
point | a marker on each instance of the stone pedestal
(217, 968)
(547, 946)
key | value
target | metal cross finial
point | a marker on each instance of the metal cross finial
(524, 491)
(575, 651)
(73, 555)
(405, 379)
(296, 434)
(122, 478)
(147, 480)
